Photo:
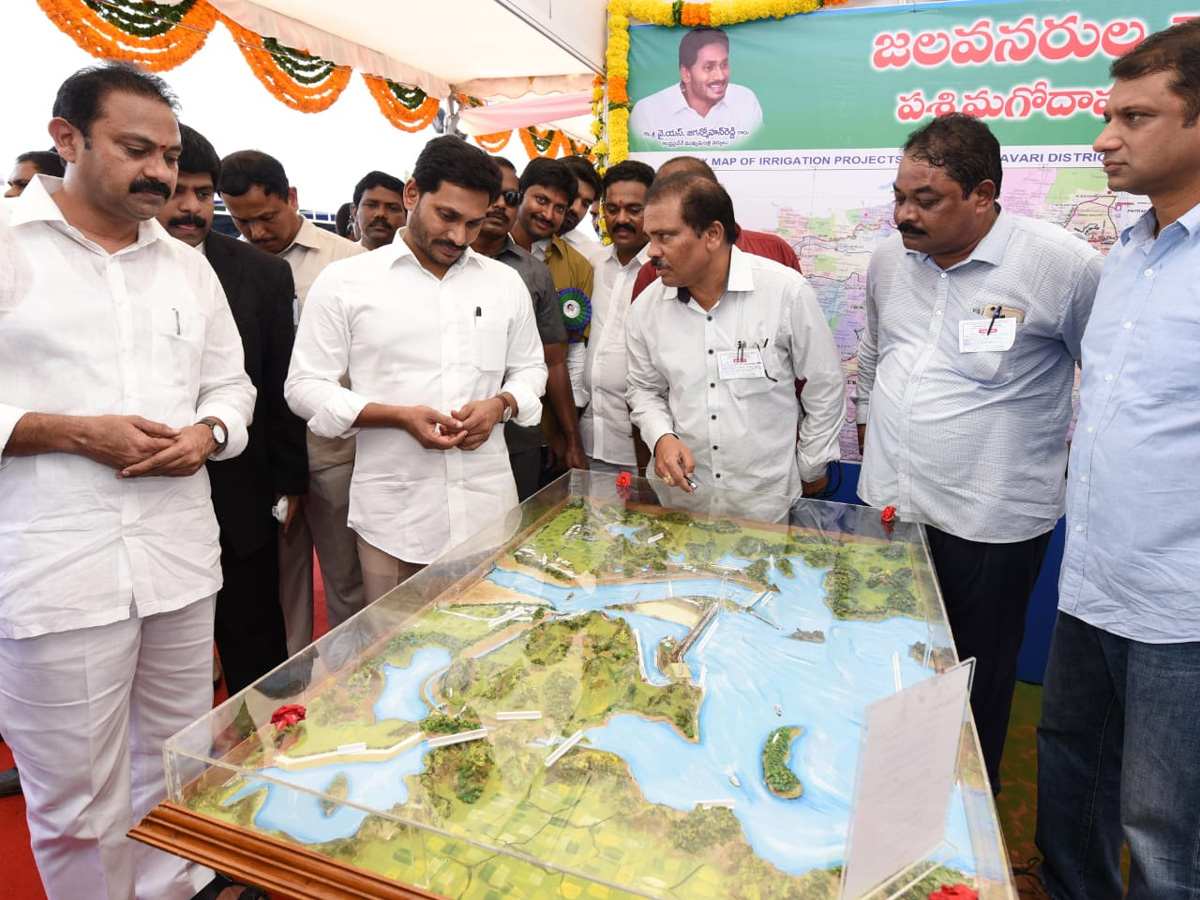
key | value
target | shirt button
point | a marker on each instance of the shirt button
(937, 312)
(1083, 479)
(1108, 377)
(710, 353)
(712, 384)
(1128, 324)
(943, 274)
(710, 318)
(1079, 528)
(714, 446)
(1091, 428)
(714, 417)
(1149, 273)
(717, 475)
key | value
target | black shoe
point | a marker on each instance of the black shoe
(213, 889)
(10, 782)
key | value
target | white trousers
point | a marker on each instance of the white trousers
(86, 714)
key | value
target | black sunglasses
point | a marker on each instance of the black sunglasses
(511, 198)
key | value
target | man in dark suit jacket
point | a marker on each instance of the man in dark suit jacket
(249, 627)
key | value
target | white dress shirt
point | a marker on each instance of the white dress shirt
(144, 331)
(409, 339)
(605, 427)
(741, 431)
(308, 254)
(666, 119)
(974, 444)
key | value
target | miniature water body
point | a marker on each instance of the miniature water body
(752, 665)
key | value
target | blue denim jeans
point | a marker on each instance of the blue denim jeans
(1119, 762)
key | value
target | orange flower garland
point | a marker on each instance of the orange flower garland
(159, 53)
(495, 142)
(316, 96)
(403, 117)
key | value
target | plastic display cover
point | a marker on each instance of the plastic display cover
(619, 690)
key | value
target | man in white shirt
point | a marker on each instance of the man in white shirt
(441, 348)
(266, 211)
(715, 346)
(605, 427)
(121, 374)
(974, 321)
(704, 109)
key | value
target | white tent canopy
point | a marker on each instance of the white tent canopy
(492, 49)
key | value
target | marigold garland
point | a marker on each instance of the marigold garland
(408, 108)
(494, 142)
(304, 82)
(156, 36)
(670, 15)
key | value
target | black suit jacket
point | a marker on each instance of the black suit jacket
(260, 291)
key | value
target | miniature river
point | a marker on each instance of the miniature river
(821, 687)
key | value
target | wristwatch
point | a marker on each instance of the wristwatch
(218, 432)
(508, 409)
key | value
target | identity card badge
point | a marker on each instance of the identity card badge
(984, 335)
(745, 362)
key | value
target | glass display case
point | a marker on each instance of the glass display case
(617, 691)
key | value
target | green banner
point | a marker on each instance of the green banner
(1037, 72)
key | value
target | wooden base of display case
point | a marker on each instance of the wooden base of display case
(264, 862)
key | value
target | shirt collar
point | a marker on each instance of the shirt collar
(36, 204)
(305, 237)
(740, 278)
(680, 103)
(610, 253)
(399, 250)
(1143, 229)
(991, 246)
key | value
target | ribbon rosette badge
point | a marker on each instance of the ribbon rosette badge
(576, 308)
(888, 515)
(288, 715)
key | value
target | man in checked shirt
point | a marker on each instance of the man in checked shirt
(974, 321)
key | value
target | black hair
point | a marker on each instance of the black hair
(552, 174)
(244, 169)
(47, 162)
(962, 146)
(1176, 50)
(341, 220)
(377, 179)
(450, 158)
(80, 97)
(686, 165)
(504, 163)
(583, 171)
(628, 170)
(696, 40)
(198, 156)
(701, 202)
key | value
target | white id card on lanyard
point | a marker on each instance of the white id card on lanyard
(744, 363)
(984, 335)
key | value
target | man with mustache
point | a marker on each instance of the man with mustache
(704, 109)
(525, 442)
(607, 432)
(265, 209)
(378, 211)
(548, 189)
(121, 374)
(965, 368)
(441, 348)
(1118, 741)
(714, 348)
(249, 626)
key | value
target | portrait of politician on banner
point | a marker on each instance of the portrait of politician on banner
(704, 109)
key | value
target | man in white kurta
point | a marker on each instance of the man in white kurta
(441, 347)
(715, 346)
(120, 373)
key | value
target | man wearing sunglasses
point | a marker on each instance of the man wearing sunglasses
(525, 443)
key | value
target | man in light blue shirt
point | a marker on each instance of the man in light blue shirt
(1119, 740)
